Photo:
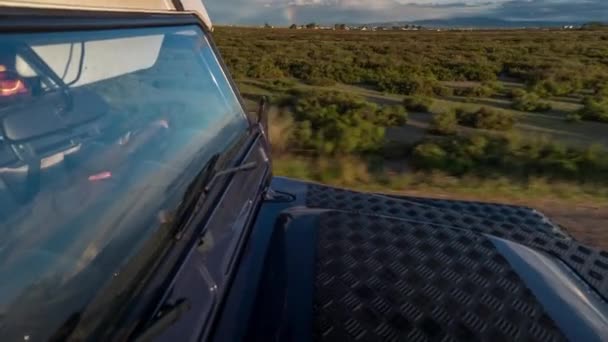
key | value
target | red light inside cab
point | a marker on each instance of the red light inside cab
(100, 176)
(10, 86)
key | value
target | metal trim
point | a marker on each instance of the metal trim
(47, 20)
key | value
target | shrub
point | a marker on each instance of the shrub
(574, 117)
(496, 86)
(393, 81)
(277, 85)
(595, 109)
(418, 104)
(443, 91)
(335, 123)
(516, 92)
(489, 155)
(565, 85)
(602, 90)
(477, 91)
(389, 116)
(486, 118)
(321, 81)
(444, 123)
(429, 156)
(264, 68)
(530, 102)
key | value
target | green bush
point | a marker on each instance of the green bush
(595, 109)
(264, 69)
(530, 102)
(281, 85)
(391, 116)
(517, 92)
(332, 122)
(429, 156)
(340, 123)
(407, 84)
(443, 91)
(321, 81)
(496, 86)
(485, 118)
(565, 85)
(444, 123)
(418, 104)
(574, 117)
(602, 91)
(489, 155)
(477, 91)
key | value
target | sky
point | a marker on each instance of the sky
(284, 12)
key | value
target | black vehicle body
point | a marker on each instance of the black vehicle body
(266, 258)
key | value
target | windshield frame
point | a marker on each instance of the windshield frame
(151, 287)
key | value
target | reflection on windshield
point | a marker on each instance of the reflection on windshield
(99, 131)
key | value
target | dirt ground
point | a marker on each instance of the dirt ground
(587, 223)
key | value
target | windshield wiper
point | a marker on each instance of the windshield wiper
(169, 315)
(244, 167)
(200, 186)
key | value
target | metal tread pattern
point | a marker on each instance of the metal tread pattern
(497, 212)
(590, 263)
(382, 279)
(498, 224)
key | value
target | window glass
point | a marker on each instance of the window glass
(101, 133)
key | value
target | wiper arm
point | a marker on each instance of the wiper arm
(200, 186)
(168, 317)
(244, 167)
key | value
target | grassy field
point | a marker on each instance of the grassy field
(551, 125)
(550, 84)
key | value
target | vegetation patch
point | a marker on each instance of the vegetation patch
(489, 155)
(444, 123)
(529, 102)
(485, 118)
(595, 109)
(477, 91)
(335, 122)
(420, 104)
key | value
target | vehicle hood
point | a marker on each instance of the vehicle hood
(364, 266)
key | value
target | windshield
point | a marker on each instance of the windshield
(99, 133)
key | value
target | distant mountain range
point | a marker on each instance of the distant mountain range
(478, 22)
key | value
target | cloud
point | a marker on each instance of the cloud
(283, 12)
(583, 10)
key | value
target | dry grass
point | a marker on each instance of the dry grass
(280, 127)
(357, 173)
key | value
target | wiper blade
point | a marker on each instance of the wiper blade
(168, 316)
(192, 196)
(200, 186)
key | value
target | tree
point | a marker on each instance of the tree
(293, 27)
(311, 26)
